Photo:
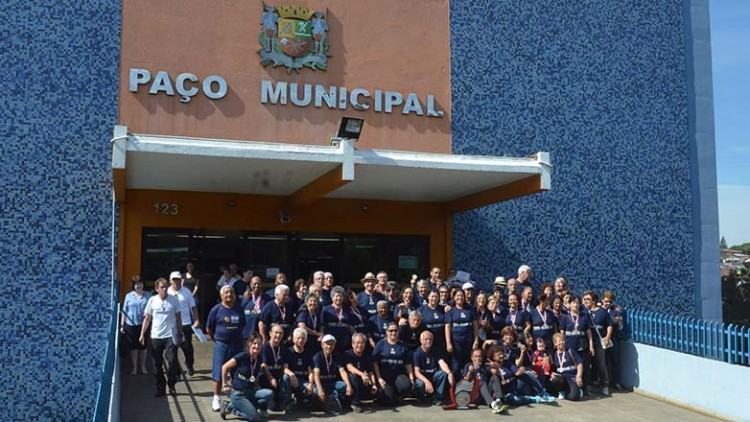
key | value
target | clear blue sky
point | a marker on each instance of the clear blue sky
(730, 44)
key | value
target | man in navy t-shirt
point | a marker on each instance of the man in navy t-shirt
(277, 312)
(331, 379)
(361, 375)
(433, 375)
(274, 360)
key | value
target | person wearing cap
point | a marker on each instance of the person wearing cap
(162, 313)
(335, 319)
(224, 327)
(393, 368)
(332, 384)
(241, 376)
(369, 297)
(274, 365)
(189, 315)
(378, 323)
(468, 288)
(276, 312)
(433, 317)
(460, 332)
(361, 376)
(499, 290)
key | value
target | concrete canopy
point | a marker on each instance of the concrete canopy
(305, 173)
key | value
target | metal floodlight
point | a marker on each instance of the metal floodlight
(350, 128)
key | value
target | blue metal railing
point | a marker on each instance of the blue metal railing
(109, 361)
(714, 340)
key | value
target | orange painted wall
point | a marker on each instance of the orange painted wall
(393, 45)
(249, 212)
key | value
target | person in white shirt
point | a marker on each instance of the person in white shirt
(163, 313)
(187, 310)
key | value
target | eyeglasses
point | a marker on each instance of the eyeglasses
(391, 331)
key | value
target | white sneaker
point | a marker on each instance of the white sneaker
(216, 404)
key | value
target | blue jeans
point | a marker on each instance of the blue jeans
(282, 394)
(338, 389)
(529, 384)
(439, 383)
(246, 404)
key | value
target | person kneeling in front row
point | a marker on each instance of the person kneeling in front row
(241, 375)
(361, 376)
(567, 378)
(332, 385)
(432, 372)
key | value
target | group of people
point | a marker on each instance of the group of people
(441, 342)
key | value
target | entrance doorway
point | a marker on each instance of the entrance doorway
(347, 256)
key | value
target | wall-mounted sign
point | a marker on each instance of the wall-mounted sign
(186, 85)
(333, 97)
(294, 37)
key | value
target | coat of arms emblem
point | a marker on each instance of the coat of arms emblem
(293, 36)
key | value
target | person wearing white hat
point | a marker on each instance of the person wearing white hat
(369, 297)
(189, 315)
(332, 384)
(468, 289)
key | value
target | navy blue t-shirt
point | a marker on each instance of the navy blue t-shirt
(251, 308)
(434, 320)
(370, 302)
(543, 325)
(358, 318)
(299, 363)
(363, 363)
(273, 314)
(378, 327)
(391, 358)
(517, 319)
(506, 374)
(336, 322)
(461, 320)
(246, 374)
(427, 362)
(226, 324)
(420, 300)
(325, 298)
(600, 321)
(274, 358)
(575, 331)
(498, 322)
(329, 370)
(402, 311)
(410, 336)
(312, 321)
(565, 362)
(482, 371)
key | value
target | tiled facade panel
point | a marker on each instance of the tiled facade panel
(602, 86)
(58, 105)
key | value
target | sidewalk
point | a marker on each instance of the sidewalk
(193, 403)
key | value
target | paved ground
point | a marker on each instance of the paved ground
(193, 403)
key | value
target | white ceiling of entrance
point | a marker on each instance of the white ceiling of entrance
(188, 164)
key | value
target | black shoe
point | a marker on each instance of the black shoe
(160, 393)
(172, 390)
(190, 371)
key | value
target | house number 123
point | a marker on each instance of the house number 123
(166, 208)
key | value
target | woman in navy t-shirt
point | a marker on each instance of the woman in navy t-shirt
(393, 368)
(460, 332)
(433, 317)
(309, 319)
(337, 320)
(543, 321)
(517, 317)
(245, 368)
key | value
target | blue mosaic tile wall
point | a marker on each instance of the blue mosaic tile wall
(602, 86)
(59, 66)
